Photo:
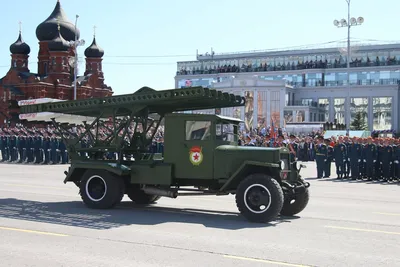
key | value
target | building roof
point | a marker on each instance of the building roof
(94, 50)
(58, 43)
(20, 47)
(291, 52)
(47, 30)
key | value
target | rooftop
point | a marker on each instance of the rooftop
(333, 47)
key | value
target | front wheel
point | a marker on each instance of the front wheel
(296, 205)
(259, 198)
(101, 190)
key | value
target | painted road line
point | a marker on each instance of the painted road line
(389, 214)
(31, 231)
(363, 230)
(265, 261)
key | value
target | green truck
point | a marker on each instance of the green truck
(201, 153)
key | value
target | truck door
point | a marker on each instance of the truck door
(196, 159)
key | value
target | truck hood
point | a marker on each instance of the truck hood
(239, 154)
(229, 158)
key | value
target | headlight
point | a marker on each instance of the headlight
(283, 165)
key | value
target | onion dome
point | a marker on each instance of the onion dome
(47, 30)
(94, 51)
(58, 43)
(20, 47)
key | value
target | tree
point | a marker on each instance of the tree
(359, 123)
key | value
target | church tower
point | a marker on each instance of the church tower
(48, 30)
(94, 68)
(20, 54)
(59, 67)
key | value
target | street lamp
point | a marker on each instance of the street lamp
(350, 22)
(75, 45)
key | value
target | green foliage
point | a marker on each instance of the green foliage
(359, 123)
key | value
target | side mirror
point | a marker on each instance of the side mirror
(303, 166)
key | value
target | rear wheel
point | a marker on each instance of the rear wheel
(259, 198)
(101, 190)
(139, 196)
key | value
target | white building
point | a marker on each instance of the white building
(304, 85)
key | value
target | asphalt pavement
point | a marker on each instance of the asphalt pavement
(44, 223)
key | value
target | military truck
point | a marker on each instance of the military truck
(201, 153)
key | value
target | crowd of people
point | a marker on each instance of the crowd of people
(312, 64)
(354, 158)
(44, 145)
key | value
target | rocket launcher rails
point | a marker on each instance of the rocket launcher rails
(161, 102)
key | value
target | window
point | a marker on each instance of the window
(226, 132)
(198, 130)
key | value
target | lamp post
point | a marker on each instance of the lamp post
(75, 45)
(350, 22)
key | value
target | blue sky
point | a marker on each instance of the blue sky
(163, 32)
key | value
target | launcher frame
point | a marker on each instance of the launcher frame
(122, 111)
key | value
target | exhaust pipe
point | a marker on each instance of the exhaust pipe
(160, 192)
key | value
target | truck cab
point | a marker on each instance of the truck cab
(192, 139)
(205, 146)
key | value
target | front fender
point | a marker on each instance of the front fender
(249, 167)
(77, 169)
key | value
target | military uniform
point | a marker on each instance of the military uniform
(347, 168)
(3, 143)
(321, 154)
(340, 156)
(386, 161)
(355, 159)
(396, 165)
(370, 159)
(329, 159)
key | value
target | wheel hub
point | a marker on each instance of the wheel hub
(96, 188)
(257, 198)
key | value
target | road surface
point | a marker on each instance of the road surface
(44, 223)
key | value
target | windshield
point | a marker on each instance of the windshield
(227, 132)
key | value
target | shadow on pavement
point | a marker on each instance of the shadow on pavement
(75, 214)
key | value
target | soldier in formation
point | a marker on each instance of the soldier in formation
(32, 148)
(361, 158)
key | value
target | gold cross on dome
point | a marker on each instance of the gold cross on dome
(20, 26)
(94, 30)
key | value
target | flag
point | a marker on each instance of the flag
(272, 131)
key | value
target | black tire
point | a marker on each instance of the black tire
(294, 206)
(100, 189)
(140, 197)
(259, 185)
